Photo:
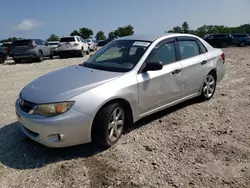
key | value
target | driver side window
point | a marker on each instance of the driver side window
(165, 54)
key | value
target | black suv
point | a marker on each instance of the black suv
(220, 40)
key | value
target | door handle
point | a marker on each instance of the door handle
(203, 62)
(176, 71)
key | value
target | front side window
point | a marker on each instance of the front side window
(165, 54)
(118, 56)
(188, 49)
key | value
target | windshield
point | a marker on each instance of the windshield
(67, 39)
(118, 56)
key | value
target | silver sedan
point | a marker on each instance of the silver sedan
(128, 79)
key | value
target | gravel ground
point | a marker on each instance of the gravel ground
(191, 145)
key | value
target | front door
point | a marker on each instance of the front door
(158, 88)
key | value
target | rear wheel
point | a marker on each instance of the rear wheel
(108, 125)
(242, 44)
(17, 60)
(40, 57)
(2, 59)
(209, 86)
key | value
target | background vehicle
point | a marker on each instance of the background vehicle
(241, 39)
(126, 80)
(7, 45)
(3, 54)
(220, 40)
(92, 44)
(54, 45)
(72, 45)
(104, 42)
(32, 49)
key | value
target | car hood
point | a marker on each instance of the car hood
(65, 83)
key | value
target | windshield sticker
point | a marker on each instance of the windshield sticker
(146, 44)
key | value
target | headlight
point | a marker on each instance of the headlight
(50, 110)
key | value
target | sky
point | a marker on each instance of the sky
(39, 19)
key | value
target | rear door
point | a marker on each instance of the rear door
(192, 62)
(158, 88)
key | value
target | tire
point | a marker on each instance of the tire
(40, 57)
(51, 56)
(209, 87)
(224, 45)
(17, 60)
(2, 59)
(88, 52)
(242, 44)
(82, 53)
(106, 129)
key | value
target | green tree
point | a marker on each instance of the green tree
(177, 29)
(53, 37)
(185, 27)
(75, 33)
(124, 31)
(100, 35)
(85, 33)
(111, 35)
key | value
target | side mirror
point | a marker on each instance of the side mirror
(153, 66)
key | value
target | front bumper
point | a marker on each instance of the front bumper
(71, 128)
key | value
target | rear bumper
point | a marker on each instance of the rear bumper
(24, 56)
(221, 71)
(68, 52)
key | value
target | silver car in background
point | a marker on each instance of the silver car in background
(128, 79)
(32, 49)
(54, 45)
(92, 44)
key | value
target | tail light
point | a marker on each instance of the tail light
(76, 44)
(223, 57)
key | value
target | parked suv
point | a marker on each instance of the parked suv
(34, 49)
(241, 39)
(92, 44)
(72, 45)
(219, 40)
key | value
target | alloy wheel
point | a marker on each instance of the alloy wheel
(209, 86)
(116, 124)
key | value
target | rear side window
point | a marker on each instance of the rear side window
(188, 49)
(78, 39)
(165, 54)
(67, 39)
(202, 47)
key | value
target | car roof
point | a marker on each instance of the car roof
(152, 37)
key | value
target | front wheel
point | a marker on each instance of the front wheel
(108, 125)
(209, 87)
(40, 57)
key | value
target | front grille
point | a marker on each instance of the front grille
(26, 106)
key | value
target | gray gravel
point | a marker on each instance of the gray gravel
(191, 145)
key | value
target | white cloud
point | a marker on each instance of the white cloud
(27, 25)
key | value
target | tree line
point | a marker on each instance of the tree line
(210, 29)
(87, 33)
